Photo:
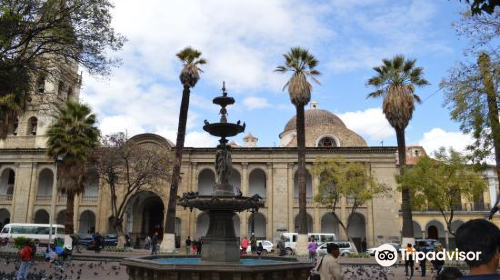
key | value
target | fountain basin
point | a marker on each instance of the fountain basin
(223, 130)
(234, 203)
(191, 267)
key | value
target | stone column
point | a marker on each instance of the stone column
(423, 234)
(52, 215)
(370, 231)
(291, 222)
(14, 195)
(76, 213)
(343, 217)
(194, 188)
(316, 217)
(269, 201)
(244, 189)
(33, 192)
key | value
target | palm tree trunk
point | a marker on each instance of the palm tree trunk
(176, 172)
(405, 192)
(492, 99)
(69, 226)
(301, 170)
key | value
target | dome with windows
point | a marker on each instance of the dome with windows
(323, 129)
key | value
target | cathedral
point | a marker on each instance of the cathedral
(28, 192)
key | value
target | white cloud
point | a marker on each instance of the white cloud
(253, 103)
(369, 123)
(200, 139)
(437, 137)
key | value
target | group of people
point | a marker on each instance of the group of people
(437, 265)
(194, 246)
(255, 247)
(54, 253)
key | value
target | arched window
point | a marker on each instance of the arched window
(327, 142)
(40, 84)
(32, 126)
(60, 89)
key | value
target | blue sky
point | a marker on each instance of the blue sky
(243, 42)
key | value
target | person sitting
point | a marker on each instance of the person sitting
(50, 254)
(482, 238)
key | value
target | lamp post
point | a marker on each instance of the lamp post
(58, 159)
(252, 226)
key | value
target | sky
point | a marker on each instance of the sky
(243, 42)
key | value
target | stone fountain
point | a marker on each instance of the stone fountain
(220, 257)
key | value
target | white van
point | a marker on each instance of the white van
(291, 239)
(39, 233)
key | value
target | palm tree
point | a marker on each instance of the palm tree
(395, 81)
(302, 64)
(72, 137)
(189, 76)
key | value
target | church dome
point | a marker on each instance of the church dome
(314, 117)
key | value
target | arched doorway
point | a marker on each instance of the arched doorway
(257, 183)
(87, 222)
(309, 223)
(145, 213)
(435, 230)
(330, 224)
(41, 217)
(61, 217)
(259, 225)
(4, 217)
(206, 182)
(7, 182)
(357, 229)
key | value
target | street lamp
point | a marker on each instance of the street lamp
(57, 159)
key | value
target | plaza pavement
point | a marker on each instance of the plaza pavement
(105, 266)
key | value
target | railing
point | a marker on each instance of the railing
(6, 197)
(89, 199)
(456, 207)
(61, 199)
(309, 201)
(44, 197)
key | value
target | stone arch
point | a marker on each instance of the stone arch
(32, 126)
(257, 183)
(259, 225)
(330, 224)
(323, 139)
(145, 215)
(309, 223)
(4, 217)
(357, 229)
(417, 230)
(235, 180)
(7, 182)
(41, 217)
(206, 182)
(45, 183)
(309, 193)
(61, 217)
(87, 222)
(435, 230)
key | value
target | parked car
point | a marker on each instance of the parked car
(266, 244)
(111, 240)
(85, 239)
(346, 248)
(427, 243)
(373, 250)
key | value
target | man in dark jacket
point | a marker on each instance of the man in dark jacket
(154, 243)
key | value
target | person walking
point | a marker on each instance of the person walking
(253, 244)
(423, 261)
(312, 246)
(244, 245)
(147, 243)
(26, 258)
(154, 243)
(188, 245)
(281, 246)
(409, 261)
(329, 266)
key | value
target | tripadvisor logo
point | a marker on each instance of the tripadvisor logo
(386, 255)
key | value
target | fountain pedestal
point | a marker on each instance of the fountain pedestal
(221, 244)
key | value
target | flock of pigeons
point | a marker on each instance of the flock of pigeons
(76, 270)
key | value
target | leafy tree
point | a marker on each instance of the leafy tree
(189, 76)
(477, 7)
(302, 64)
(340, 179)
(442, 182)
(73, 136)
(127, 167)
(395, 81)
(38, 36)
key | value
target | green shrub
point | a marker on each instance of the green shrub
(20, 241)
